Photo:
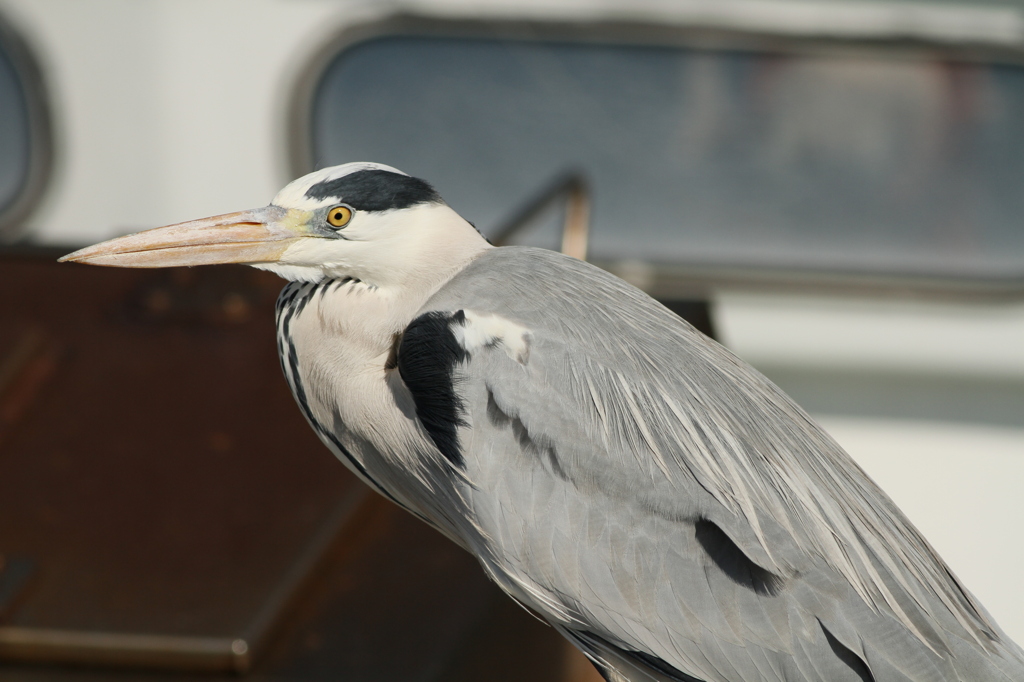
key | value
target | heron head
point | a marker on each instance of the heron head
(363, 220)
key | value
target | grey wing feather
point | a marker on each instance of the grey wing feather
(594, 457)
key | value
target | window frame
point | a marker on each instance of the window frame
(684, 280)
(29, 73)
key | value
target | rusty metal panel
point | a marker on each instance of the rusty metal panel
(153, 466)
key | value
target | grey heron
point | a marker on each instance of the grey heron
(654, 498)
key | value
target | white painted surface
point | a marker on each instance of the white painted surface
(961, 486)
(999, 22)
(874, 334)
(167, 110)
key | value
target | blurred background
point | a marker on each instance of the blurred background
(832, 189)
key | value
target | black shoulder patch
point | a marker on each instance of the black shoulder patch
(376, 190)
(427, 355)
(733, 562)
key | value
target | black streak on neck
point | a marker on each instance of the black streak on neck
(291, 302)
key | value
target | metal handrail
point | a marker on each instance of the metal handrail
(575, 191)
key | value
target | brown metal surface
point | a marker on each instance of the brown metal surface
(14, 576)
(164, 484)
(392, 601)
(28, 359)
(174, 502)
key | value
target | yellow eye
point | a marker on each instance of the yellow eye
(339, 215)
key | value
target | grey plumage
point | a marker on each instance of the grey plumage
(590, 464)
(656, 499)
(623, 429)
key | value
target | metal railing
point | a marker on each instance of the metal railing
(573, 189)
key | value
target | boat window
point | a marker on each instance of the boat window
(854, 159)
(24, 143)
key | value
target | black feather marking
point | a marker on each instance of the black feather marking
(855, 662)
(495, 414)
(529, 443)
(593, 644)
(733, 562)
(427, 356)
(324, 287)
(296, 296)
(376, 190)
(655, 663)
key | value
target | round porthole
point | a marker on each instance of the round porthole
(801, 160)
(25, 145)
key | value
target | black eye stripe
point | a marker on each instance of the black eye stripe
(375, 190)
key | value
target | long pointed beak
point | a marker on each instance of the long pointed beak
(261, 235)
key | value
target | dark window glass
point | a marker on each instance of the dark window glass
(846, 160)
